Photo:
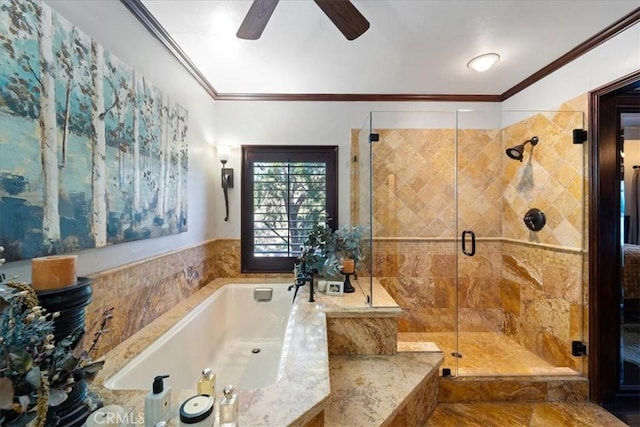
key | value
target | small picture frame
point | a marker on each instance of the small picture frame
(335, 288)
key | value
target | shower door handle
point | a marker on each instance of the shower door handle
(472, 252)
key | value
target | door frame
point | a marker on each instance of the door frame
(604, 232)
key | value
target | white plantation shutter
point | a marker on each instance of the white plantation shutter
(288, 199)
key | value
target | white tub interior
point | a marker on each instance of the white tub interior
(222, 333)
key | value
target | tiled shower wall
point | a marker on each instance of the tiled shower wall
(527, 285)
(543, 283)
(541, 293)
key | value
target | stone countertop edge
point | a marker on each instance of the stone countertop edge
(300, 394)
(355, 304)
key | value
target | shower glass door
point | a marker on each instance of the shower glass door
(413, 221)
(361, 200)
(479, 223)
(520, 221)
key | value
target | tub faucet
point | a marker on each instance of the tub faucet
(300, 281)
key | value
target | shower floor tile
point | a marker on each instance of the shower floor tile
(485, 353)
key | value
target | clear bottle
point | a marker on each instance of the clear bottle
(157, 404)
(229, 408)
(207, 383)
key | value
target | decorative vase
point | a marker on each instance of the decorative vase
(74, 411)
(70, 302)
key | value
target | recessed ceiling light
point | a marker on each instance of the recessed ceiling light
(483, 62)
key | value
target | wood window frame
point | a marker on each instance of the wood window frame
(253, 153)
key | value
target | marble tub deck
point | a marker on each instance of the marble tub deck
(298, 398)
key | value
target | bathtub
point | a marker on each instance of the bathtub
(286, 383)
(242, 339)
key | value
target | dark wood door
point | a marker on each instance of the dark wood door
(605, 301)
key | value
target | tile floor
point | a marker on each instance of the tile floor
(488, 353)
(485, 353)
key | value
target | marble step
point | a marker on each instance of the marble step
(523, 388)
(382, 390)
(542, 414)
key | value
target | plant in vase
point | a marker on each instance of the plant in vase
(313, 255)
(349, 248)
(347, 254)
(36, 372)
(325, 250)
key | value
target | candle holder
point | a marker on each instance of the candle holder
(347, 288)
(70, 303)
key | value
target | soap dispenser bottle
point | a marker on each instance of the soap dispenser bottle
(207, 383)
(229, 408)
(157, 404)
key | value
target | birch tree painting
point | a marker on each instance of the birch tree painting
(91, 153)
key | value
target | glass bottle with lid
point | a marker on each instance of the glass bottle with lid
(229, 408)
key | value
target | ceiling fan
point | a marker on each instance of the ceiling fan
(342, 13)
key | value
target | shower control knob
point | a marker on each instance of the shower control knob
(535, 219)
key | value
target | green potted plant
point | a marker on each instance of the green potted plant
(346, 254)
(324, 250)
(313, 254)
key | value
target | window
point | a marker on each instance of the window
(285, 191)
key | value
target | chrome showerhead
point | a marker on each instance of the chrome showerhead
(516, 152)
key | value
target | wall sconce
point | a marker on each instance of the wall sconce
(226, 175)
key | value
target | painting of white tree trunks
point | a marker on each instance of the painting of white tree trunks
(91, 153)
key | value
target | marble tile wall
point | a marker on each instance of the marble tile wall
(421, 277)
(551, 178)
(141, 291)
(362, 335)
(479, 189)
(541, 291)
(414, 176)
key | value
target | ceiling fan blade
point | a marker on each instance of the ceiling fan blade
(345, 16)
(256, 19)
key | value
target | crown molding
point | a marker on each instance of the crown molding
(356, 97)
(149, 21)
(608, 33)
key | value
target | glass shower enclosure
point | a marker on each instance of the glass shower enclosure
(484, 251)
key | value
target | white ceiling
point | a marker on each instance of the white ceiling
(412, 46)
